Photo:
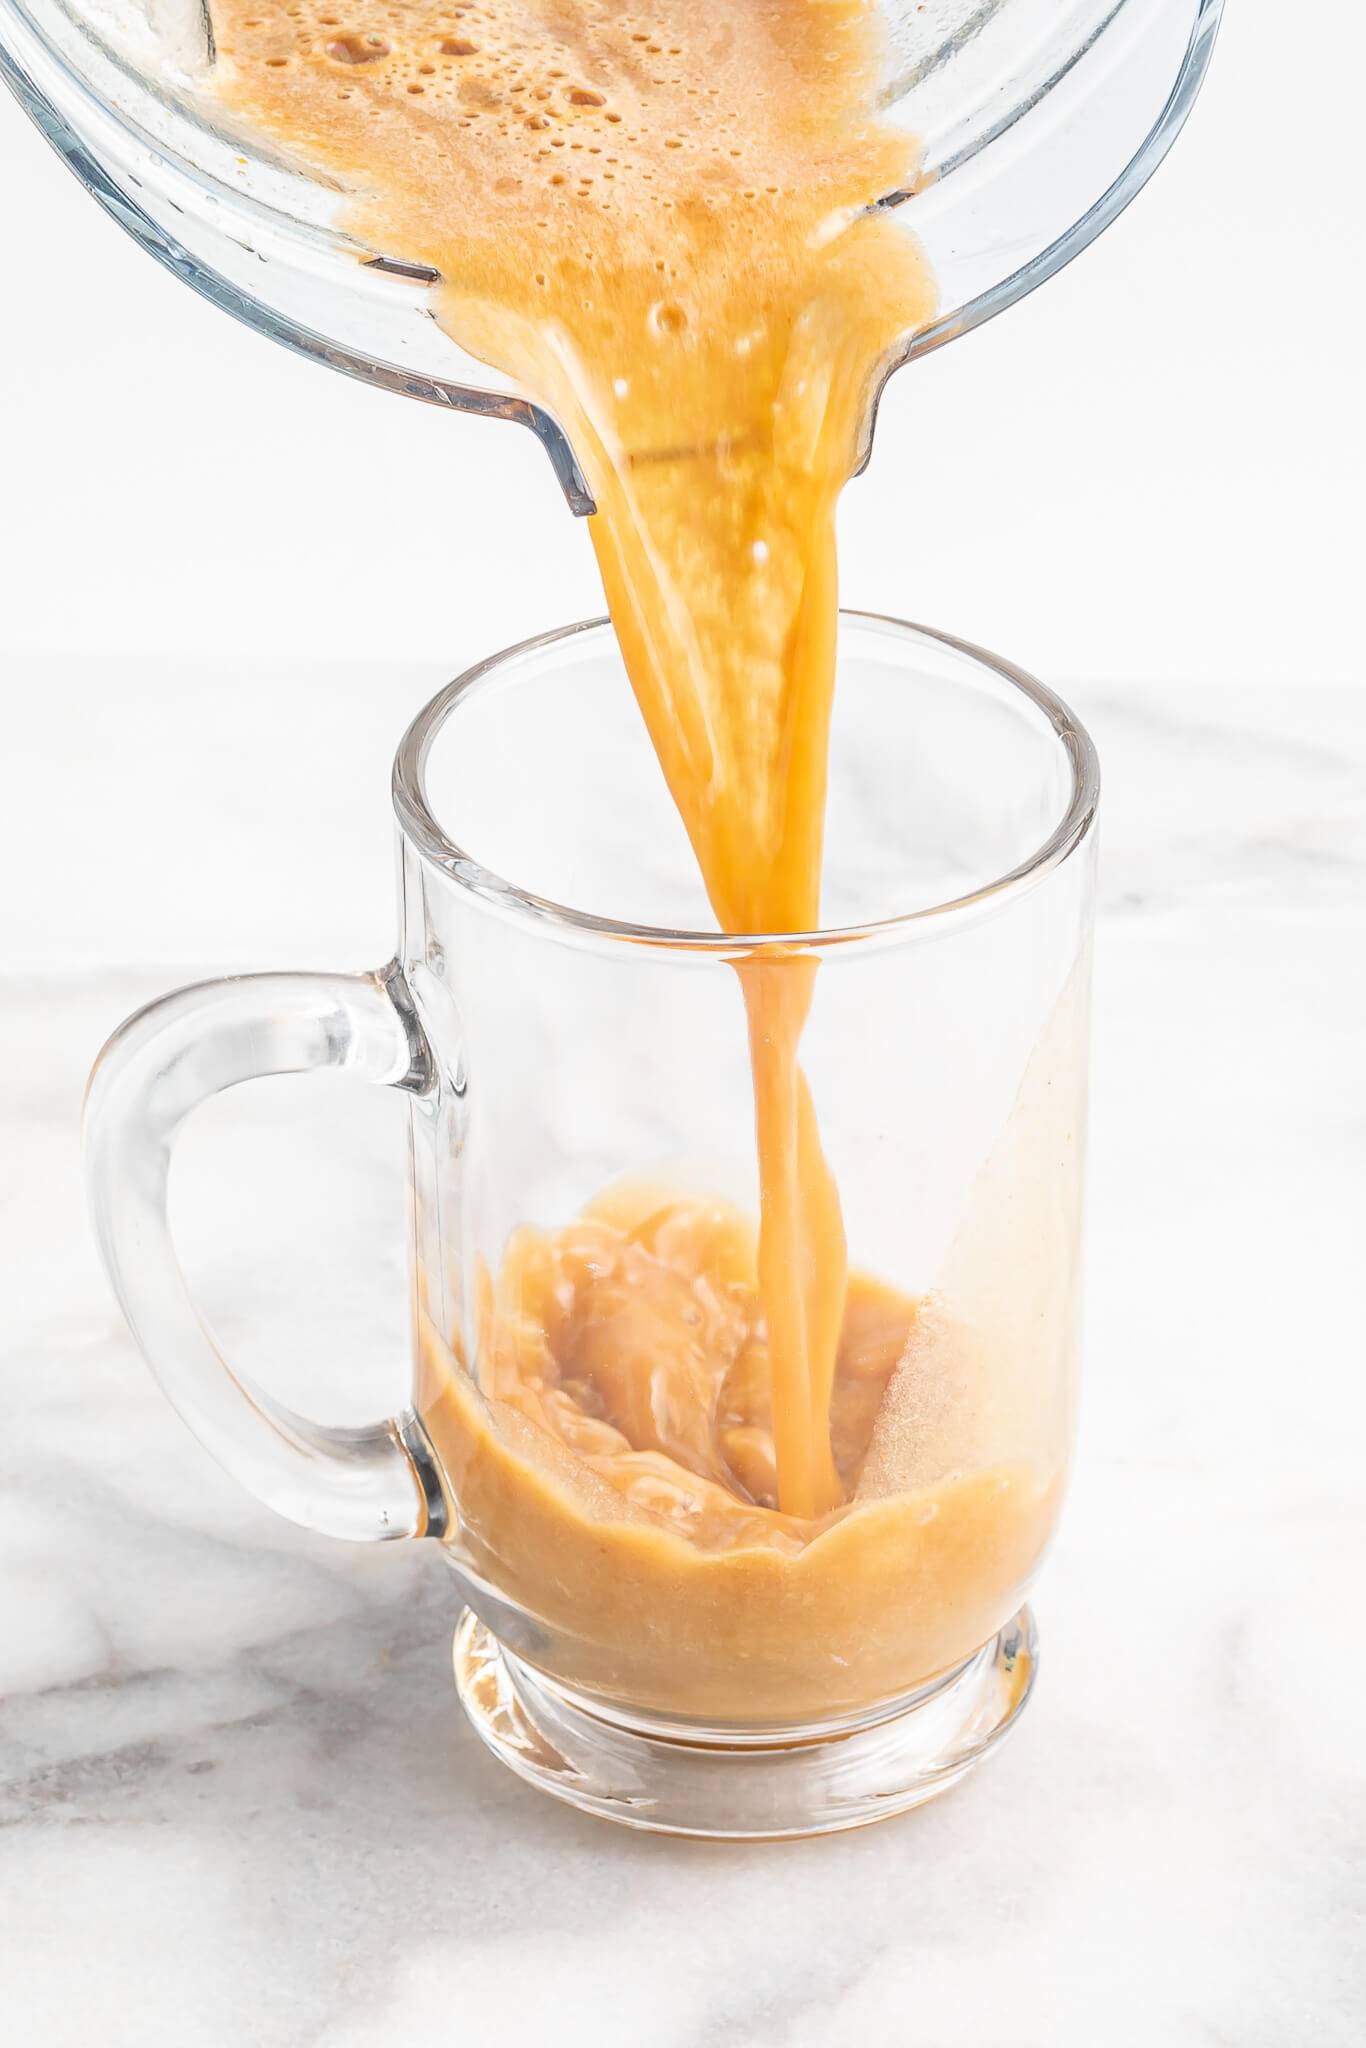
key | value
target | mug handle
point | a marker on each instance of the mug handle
(368, 1484)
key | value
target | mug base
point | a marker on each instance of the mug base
(675, 1779)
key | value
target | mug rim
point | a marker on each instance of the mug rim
(418, 824)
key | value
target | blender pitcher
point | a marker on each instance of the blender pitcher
(1037, 121)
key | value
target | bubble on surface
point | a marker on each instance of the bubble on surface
(357, 49)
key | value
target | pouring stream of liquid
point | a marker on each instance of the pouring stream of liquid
(658, 223)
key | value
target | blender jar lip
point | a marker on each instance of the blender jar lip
(419, 826)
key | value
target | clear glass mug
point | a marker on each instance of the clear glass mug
(568, 1025)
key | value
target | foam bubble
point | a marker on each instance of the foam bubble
(356, 49)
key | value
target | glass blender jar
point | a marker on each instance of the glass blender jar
(1038, 122)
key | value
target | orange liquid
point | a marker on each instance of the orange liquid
(615, 1476)
(659, 223)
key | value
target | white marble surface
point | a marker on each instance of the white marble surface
(238, 1804)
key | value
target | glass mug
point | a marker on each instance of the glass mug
(643, 1636)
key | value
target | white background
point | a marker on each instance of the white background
(1149, 471)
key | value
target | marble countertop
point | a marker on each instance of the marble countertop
(238, 1806)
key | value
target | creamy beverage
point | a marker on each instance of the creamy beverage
(726, 1474)
(615, 1475)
